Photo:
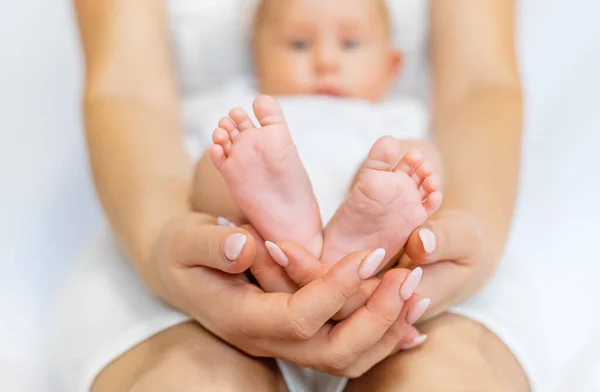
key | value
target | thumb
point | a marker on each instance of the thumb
(198, 242)
(452, 236)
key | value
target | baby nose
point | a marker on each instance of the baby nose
(327, 59)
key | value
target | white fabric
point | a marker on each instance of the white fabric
(47, 206)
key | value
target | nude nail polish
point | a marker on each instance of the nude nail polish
(225, 223)
(416, 342)
(417, 311)
(234, 246)
(411, 283)
(277, 254)
(428, 240)
(370, 265)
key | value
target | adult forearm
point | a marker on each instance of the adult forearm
(140, 169)
(479, 137)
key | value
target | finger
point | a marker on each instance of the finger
(443, 281)
(303, 268)
(271, 277)
(411, 341)
(349, 339)
(198, 241)
(232, 221)
(358, 300)
(411, 313)
(301, 265)
(340, 346)
(301, 315)
(455, 236)
(400, 336)
(415, 309)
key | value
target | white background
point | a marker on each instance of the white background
(47, 207)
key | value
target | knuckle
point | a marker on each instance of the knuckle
(382, 316)
(302, 277)
(300, 328)
(338, 364)
(386, 319)
(341, 290)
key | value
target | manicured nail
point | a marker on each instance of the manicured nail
(277, 254)
(428, 239)
(371, 264)
(234, 246)
(416, 342)
(225, 223)
(417, 311)
(411, 283)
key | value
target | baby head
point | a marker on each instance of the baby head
(338, 48)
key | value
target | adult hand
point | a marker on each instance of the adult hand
(447, 248)
(199, 264)
(276, 272)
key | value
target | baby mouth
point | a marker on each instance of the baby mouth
(330, 91)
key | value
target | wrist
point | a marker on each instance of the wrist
(151, 237)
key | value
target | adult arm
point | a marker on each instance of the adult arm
(140, 169)
(477, 118)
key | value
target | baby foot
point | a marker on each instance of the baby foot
(390, 199)
(265, 176)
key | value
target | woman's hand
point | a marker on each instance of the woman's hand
(447, 248)
(199, 262)
(287, 266)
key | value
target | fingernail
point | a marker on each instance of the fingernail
(428, 239)
(411, 283)
(234, 246)
(416, 342)
(417, 311)
(277, 254)
(371, 264)
(225, 223)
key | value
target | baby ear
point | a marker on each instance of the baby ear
(396, 63)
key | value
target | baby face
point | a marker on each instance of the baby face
(338, 48)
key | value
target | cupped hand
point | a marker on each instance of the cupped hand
(287, 267)
(200, 267)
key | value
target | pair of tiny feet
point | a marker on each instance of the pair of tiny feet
(393, 194)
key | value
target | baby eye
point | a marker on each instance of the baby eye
(350, 44)
(300, 44)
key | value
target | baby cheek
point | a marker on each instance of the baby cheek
(368, 85)
(281, 76)
(298, 77)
